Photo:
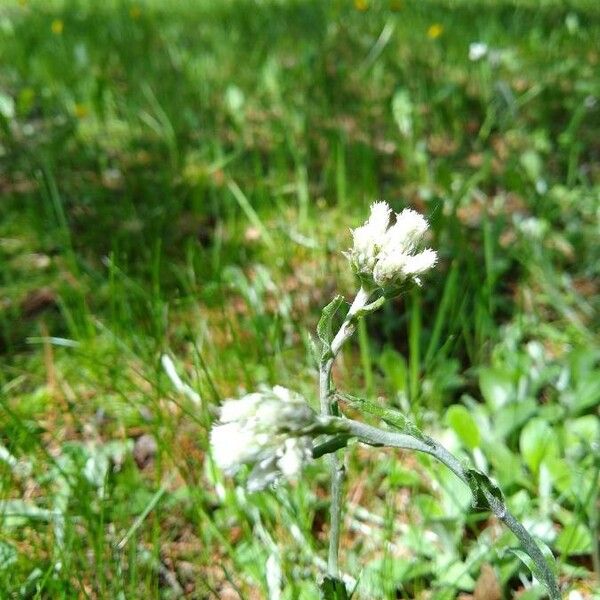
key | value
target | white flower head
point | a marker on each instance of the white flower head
(368, 237)
(384, 255)
(267, 429)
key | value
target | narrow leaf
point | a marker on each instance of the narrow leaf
(392, 417)
(333, 589)
(369, 308)
(324, 327)
(480, 483)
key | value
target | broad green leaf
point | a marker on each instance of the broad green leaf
(538, 441)
(496, 387)
(394, 367)
(584, 430)
(513, 415)
(507, 465)
(587, 393)
(561, 472)
(455, 497)
(324, 327)
(456, 575)
(463, 424)
(428, 506)
(574, 539)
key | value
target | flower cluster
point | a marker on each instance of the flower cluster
(269, 430)
(386, 255)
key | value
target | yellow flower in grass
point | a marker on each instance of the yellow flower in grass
(57, 26)
(435, 31)
(135, 12)
(81, 110)
(361, 5)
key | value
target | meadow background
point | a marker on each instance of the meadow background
(180, 177)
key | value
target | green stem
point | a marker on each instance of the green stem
(329, 408)
(333, 444)
(381, 437)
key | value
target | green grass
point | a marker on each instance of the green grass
(180, 178)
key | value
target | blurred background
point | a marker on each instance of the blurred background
(180, 178)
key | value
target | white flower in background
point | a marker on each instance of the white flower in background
(531, 227)
(387, 255)
(477, 51)
(274, 576)
(266, 429)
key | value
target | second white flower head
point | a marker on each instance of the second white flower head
(266, 430)
(387, 255)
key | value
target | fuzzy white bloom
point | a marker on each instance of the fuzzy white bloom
(368, 237)
(266, 429)
(387, 255)
(477, 50)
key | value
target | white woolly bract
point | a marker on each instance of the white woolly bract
(379, 219)
(263, 429)
(369, 237)
(397, 265)
(406, 232)
(386, 254)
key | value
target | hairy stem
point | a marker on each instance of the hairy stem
(328, 408)
(381, 437)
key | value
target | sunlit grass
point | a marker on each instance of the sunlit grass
(180, 178)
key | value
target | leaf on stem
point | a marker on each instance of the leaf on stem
(369, 308)
(392, 417)
(324, 327)
(478, 482)
(333, 589)
(536, 555)
(532, 565)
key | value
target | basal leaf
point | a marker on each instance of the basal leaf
(461, 420)
(574, 539)
(496, 386)
(538, 441)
